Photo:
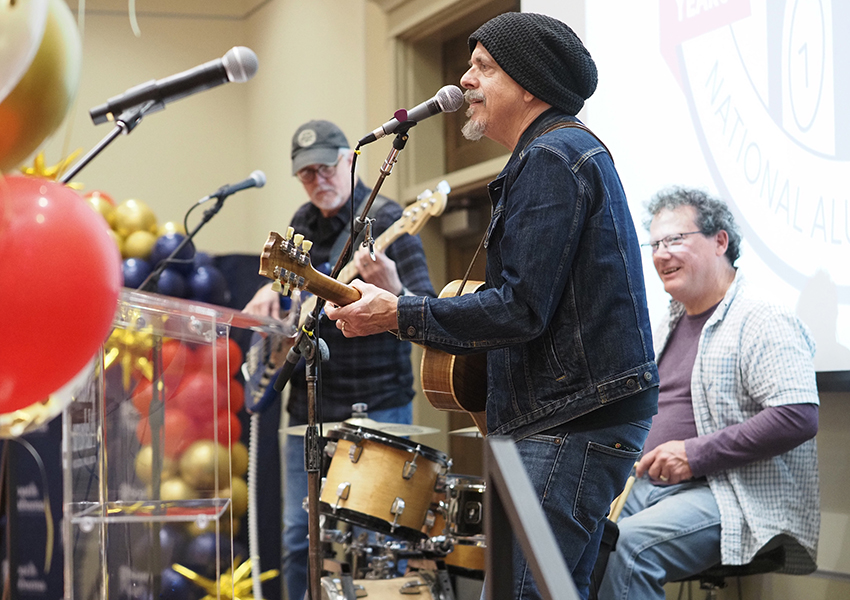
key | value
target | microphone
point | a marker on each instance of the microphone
(239, 64)
(257, 179)
(447, 99)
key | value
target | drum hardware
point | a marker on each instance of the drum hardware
(397, 509)
(410, 465)
(335, 536)
(342, 492)
(354, 453)
(330, 448)
(411, 588)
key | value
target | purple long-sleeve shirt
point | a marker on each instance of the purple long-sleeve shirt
(771, 432)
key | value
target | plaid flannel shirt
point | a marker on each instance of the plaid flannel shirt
(374, 369)
(753, 354)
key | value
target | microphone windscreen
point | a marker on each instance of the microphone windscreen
(240, 64)
(450, 98)
(259, 177)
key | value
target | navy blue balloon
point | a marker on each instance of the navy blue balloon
(207, 284)
(165, 245)
(203, 259)
(200, 554)
(177, 587)
(135, 271)
(172, 544)
(172, 283)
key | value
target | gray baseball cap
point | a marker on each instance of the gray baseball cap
(316, 142)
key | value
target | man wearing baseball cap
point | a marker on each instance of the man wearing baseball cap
(374, 370)
(571, 371)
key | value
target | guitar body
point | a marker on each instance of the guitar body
(456, 382)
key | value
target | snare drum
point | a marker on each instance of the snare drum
(380, 481)
(421, 584)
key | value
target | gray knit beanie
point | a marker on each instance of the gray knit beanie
(541, 54)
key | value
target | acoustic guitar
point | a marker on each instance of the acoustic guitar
(456, 383)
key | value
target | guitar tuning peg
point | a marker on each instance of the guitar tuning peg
(306, 245)
(276, 286)
(286, 289)
(289, 233)
(297, 239)
(424, 194)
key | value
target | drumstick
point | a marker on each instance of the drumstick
(620, 501)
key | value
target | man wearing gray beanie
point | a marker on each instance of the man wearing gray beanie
(571, 373)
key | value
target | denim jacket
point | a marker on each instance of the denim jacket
(563, 315)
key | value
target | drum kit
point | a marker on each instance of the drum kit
(397, 501)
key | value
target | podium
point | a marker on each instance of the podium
(149, 456)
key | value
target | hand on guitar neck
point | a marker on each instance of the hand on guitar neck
(374, 312)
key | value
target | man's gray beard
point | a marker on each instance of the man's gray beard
(474, 130)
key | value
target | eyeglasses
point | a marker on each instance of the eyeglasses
(308, 174)
(671, 242)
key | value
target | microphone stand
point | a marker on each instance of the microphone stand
(124, 123)
(304, 344)
(151, 280)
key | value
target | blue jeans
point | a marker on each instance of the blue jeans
(576, 478)
(666, 533)
(295, 523)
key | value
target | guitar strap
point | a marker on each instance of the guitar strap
(554, 127)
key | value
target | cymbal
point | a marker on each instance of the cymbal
(399, 429)
(472, 431)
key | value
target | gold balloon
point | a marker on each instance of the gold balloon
(176, 489)
(238, 459)
(202, 461)
(171, 227)
(21, 31)
(102, 206)
(144, 465)
(38, 103)
(133, 215)
(118, 241)
(139, 244)
(238, 494)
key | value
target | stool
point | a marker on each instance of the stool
(714, 578)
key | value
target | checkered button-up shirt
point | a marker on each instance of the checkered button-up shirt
(753, 354)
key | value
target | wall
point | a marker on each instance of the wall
(311, 64)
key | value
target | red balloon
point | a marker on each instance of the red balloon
(228, 357)
(200, 397)
(228, 427)
(60, 276)
(179, 432)
(178, 364)
(237, 396)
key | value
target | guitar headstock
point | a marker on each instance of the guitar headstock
(286, 260)
(428, 204)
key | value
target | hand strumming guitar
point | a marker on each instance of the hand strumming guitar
(381, 272)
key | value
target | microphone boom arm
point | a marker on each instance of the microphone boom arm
(124, 123)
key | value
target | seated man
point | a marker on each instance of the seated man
(730, 464)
